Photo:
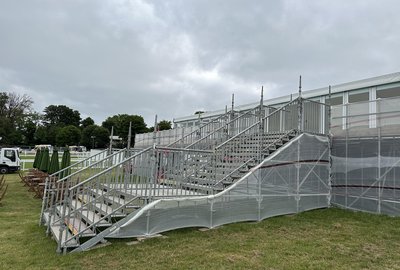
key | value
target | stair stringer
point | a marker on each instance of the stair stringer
(254, 197)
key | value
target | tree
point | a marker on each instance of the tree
(55, 118)
(69, 135)
(120, 123)
(28, 129)
(164, 125)
(95, 136)
(61, 115)
(47, 134)
(13, 110)
(87, 122)
(40, 136)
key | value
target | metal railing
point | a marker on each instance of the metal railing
(54, 185)
(163, 137)
(257, 141)
(202, 131)
(228, 130)
(275, 139)
(101, 197)
(316, 117)
(81, 164)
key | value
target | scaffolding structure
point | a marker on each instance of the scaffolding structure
(240, 166)
(366, 156)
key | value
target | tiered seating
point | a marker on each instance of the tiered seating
(96, 200)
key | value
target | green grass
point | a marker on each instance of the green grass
(320, 239)
(27, 157)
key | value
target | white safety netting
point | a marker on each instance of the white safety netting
(294, 179)
(366, 156)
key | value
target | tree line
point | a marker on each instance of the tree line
(60, 125)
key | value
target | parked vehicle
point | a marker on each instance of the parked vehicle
(9, 160)
(43, 147)
(77, 148)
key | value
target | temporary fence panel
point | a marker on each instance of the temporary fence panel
(366, 156)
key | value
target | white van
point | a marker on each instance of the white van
(9, 160)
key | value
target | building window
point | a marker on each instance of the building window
(334, 100)
(388, 93)
(358, 97)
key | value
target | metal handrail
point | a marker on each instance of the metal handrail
(101, 219)
(203, 126)
(253, 158)
(83, 206)
(109, 169)
(81, 161)
(257, 123)
(224, 126)
(183, 149)
(97, 162)
(52, 179)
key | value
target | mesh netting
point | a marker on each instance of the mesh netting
(366, 156)
(294, 179)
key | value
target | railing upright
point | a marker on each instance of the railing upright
(200, 132)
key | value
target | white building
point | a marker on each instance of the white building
(362, 90)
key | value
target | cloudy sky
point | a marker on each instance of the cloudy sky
(174, 57)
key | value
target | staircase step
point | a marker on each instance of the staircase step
(76, 226)
(198, 187)
(109, 198)
(243, 170)
(227, 182)
(73, 223)
(202, 181)
(236, 176)
(66, 235)
(90, 216)
(102, 208)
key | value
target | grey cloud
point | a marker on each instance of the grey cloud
(174, 57)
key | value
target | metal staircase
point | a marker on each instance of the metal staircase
(81, 209)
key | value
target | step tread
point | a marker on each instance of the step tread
(77, 225)
(100, 207)
(66, 235)
(90, 216)
(110, 198)
(73, 223)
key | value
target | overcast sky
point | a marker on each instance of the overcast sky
(174, 57)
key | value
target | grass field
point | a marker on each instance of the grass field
(320, 239)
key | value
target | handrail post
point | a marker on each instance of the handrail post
(62, 221)
(232, 116)
(261, 127)
(300, 124)
(128, 147)
(111, 140)
(154, 170)
(44, 199)
(51, 209)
